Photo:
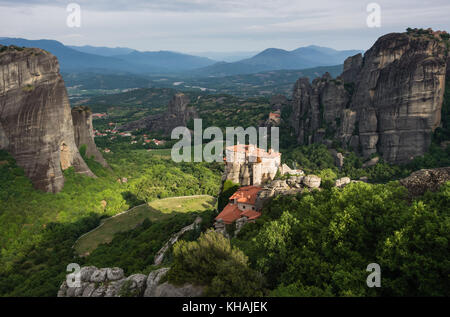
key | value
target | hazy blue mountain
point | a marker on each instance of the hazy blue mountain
(171, 61)
(71, 60)
(226, 56)
(279, 59)
(102, 50)
(104, 60)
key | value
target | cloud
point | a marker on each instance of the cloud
(214, 25)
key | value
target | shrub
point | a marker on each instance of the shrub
(213, 262)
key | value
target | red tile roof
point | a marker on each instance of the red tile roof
(229, 214)
(246, 194)
(251, 214)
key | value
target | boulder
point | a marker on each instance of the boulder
(339, 160)
(114, 274)
(86, 273)
(371, 162)
(114, 288)
(89, 289)
(98, 275)
(312, 181)
(153, 281)
(99, 291)
(341, 182)
(136, 281)
(426, 179)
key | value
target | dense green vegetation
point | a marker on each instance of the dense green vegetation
(211, 261)
(314, 158)
(314, 244)
(155, 211)
(321, 243)
(33, 220)
(134, 250)
(39, 268)
(218, 110)
(266, 83)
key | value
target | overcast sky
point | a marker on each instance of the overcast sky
(218, 25)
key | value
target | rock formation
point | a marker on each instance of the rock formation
(427, 179)
(35, 118)
(388, 101)
(178, 114)
(111, 282)
(84, 133)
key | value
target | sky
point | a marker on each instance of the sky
(218, 25)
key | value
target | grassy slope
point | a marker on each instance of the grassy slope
(155, 211)
(26, 212)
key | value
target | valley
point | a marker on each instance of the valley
(361, 176)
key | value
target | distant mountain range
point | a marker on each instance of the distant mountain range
(226, 56)
(278, 59)
(122, 60)
(102, 50)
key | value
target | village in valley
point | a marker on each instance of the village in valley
(112, 133)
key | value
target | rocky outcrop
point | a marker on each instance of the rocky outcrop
(35, 118)
(159, 257)
(352, 68)
(388, 101)
(312, 181)
(178, 114)
(84, 133)
(111, 282)
(317, 107)
(427, 179)
(278, 102)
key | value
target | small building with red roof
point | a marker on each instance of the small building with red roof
(241, 204)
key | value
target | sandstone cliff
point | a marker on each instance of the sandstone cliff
(35, 117)
(388, 101)
(177, 114)
(84, 133)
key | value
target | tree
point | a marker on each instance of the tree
(212, 261)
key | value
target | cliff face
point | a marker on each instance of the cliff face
(177, 114)
(84, 133)
(35, 117)
(388, 101)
